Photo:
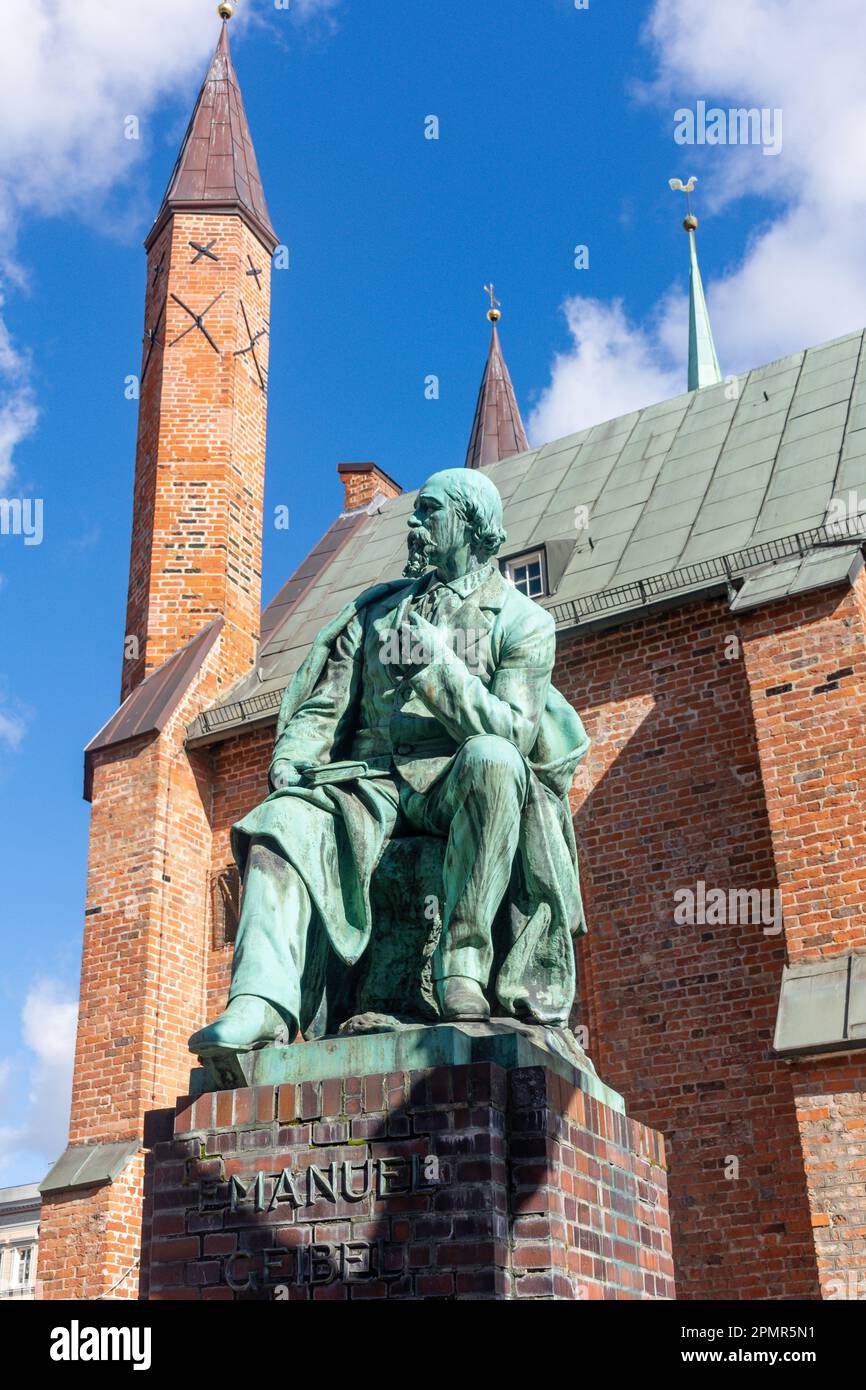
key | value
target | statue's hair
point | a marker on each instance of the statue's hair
(478, 501)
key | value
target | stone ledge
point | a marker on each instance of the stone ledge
(409, 1048)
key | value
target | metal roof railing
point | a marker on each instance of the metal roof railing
(239, 712)
(641, 592)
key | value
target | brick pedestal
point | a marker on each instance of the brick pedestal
(456, 1182)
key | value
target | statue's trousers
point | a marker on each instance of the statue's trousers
(308, 855)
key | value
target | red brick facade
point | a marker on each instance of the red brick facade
(90, 1240)
(807, 675)
(200, 461)
(704, 766)
(536, 1191)
(363, 482)
(196, 554)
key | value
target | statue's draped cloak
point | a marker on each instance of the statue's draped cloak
(336, 853)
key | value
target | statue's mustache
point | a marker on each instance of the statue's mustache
(419, 539)
(419, 543)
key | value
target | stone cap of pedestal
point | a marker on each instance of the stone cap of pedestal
(410, 1048)
(88, 1165)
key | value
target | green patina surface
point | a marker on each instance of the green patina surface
(408, 1049)
(703, 362)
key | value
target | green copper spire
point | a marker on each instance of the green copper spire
(703, 362)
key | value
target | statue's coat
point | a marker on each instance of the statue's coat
(504, 691)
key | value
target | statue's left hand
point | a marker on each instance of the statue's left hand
(283, 773)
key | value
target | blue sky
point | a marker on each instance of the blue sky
(556, 128)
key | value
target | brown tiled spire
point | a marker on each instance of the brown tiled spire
(216, 170)
(497, 430)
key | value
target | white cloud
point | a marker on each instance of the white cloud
(314, 9)
(801, 279)
(12, 729)
(18, 413)
(18, 416)
(612, 368)
(70, 72)
(48, 1022)
(14, 718)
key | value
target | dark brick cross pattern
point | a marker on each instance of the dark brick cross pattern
(251, 349)
(151, 338)
(197, 320)
(203, 251)
(157, 270)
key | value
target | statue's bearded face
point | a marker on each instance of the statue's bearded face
(437, 532)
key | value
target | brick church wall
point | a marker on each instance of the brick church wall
(807, 669)
(142, 980)
(681, 1017)
(831, 1114)
(90, 1241)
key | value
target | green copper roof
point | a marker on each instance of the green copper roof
(703, 362)
(676, 497)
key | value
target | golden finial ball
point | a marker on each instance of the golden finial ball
(225, 10)
(494, 315)
(691, 223)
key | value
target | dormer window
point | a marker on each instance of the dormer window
(526, 573)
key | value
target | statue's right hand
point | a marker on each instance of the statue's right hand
(283, 773)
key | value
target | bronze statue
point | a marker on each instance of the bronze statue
(425, 709)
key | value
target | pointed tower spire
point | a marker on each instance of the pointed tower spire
(497, 430)
(703, 362)
(216, 169)
(200, 455)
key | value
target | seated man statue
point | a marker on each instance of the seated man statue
(425, 708)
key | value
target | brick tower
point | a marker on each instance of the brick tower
(199, 472)
(192, 626)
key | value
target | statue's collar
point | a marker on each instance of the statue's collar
(464, 584)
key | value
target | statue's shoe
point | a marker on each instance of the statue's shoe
(246, 1023)
(463, 1001)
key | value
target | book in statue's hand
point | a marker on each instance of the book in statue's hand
(329, 773)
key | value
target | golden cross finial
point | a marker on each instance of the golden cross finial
(493, 312)
(677, 186)
(225, 10)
